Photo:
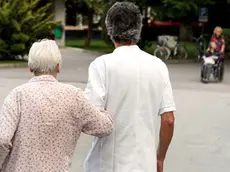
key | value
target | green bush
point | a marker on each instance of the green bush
(21, 23)
(227, 39)
(104, 34)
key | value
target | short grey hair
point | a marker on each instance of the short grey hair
(124, 23)
(44, 56)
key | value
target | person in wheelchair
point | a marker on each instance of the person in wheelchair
(210, 63)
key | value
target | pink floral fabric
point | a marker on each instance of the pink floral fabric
(40, 123)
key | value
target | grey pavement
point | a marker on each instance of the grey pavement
(201, 142)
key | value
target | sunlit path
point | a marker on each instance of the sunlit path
(201, 141)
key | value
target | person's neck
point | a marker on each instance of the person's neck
(51, 74)
(117, 45)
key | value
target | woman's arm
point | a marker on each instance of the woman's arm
(9, 118)
(223, 45)
(94, 122)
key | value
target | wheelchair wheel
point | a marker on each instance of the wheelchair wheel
(162, 52)
(221, 72)
(201, 75)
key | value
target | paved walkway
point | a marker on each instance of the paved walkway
(202, 140)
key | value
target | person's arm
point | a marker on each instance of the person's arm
(223, 46)
(95, 90)
(94, 122)
(167, 117)
(166, 134)
(9, 118)
(206, 54)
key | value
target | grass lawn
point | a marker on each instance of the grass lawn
(96, 45)
(12, 61)
(101, 46)
(226, 31)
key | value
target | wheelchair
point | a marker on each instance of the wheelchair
(214, 69)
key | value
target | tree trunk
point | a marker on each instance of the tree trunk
(90, 29)
(185, 32)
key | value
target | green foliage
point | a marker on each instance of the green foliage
(104, 34)
(92, 7)
(22, 22)
(183, 8)
(227, 42)
(227, 38)
(97, 6)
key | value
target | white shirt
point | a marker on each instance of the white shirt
(134, 87)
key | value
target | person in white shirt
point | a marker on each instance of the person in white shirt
(134, 87)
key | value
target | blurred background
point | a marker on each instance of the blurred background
(80, 23)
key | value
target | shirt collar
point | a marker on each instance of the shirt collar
(127, 48)
(48, 78)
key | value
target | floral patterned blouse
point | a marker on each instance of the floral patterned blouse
(219, 42)
(40, 123)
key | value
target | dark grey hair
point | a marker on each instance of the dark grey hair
(124, 23)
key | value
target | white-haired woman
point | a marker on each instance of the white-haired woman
(209, 60)
(41, 121)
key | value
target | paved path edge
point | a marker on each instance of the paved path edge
(100, 53)
(16, 65)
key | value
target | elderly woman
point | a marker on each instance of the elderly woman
(41, 121)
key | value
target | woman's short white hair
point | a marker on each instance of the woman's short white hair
(44, 56)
